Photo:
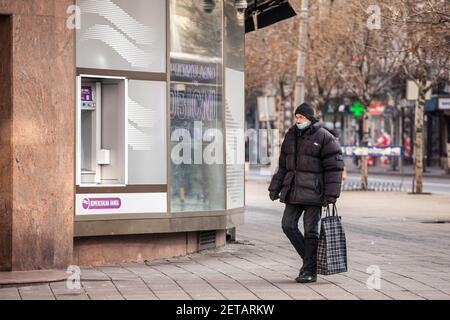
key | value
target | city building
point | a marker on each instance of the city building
(99, 102)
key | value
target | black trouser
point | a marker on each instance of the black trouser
(306, 246)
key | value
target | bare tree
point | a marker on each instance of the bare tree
(270, 57)
(270, 66)
(425, 43)
(368, 67)
(325, 52)
(271, 53)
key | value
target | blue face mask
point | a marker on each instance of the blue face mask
(304, 125)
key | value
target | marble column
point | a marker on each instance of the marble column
(37, 135)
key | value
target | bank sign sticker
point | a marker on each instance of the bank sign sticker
(101, 203)
(120, 203)
(86, 93)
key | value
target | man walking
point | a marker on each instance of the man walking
(309, 176)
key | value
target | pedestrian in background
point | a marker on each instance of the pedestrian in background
(309, 176)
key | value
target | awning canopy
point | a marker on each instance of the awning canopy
(263, 13)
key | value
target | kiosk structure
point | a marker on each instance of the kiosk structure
(147, 84)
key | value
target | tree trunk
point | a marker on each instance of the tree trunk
(365, 143)
(418, 142)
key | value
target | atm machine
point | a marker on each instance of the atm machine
(101, 131)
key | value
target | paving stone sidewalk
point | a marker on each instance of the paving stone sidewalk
(387, 232)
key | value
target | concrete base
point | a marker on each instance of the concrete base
(92, 251)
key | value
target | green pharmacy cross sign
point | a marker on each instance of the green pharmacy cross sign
(357, 109)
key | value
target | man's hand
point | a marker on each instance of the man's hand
(274, 196)
(328, 200)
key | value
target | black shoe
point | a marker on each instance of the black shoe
(302, 269)
(306, 277)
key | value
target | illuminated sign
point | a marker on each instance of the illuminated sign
(357, 109)
(372, 151)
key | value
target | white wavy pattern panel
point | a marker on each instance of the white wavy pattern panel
(139, 140)
(140, 122)
(143, 116)
(119, 18)
(235, 172)
(234, 127)
(125, 48)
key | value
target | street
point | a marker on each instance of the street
(430, 184)
(396, 250)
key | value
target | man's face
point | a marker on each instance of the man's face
(300, 118)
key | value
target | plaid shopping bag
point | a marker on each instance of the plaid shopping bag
(332, 248)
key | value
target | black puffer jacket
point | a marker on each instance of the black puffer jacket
(310, 167)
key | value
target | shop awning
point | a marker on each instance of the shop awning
(263, 13)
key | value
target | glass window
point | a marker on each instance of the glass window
(196, 106)
(234, 45)
(122, 35)
(235, 104)
(147, 132)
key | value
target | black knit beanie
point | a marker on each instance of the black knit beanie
(307, 111)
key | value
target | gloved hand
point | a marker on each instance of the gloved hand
(274, 196)
(328, 200)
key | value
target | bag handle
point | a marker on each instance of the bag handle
(334, 211)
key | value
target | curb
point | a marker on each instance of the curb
(32, 277)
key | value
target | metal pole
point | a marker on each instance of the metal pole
(301, 59)
(401, 143)
(394, 134)
(402, 173)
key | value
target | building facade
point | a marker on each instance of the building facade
(121, 130)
